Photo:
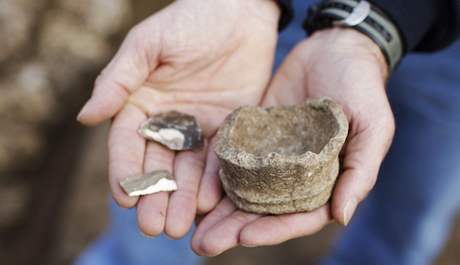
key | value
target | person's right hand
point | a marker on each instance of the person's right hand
(348, 67)
(201, 57)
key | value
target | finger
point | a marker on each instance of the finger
(126, 72)
(224, 209)
(363, 156)
(209, 116)
(210, 189)
(272, 230)
(151, 209)
(225, 234)
(188, 169)
(126, 152)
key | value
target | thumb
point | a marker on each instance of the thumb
(363, 156)
(125, 73)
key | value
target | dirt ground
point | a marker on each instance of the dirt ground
(77, 211)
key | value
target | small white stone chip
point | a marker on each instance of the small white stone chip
(173, 139)
(153, 182)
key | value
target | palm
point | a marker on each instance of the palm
(204, 58)
(208, 79)
(316, 68)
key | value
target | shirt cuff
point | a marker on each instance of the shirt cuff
(287, 13)
(427, 25)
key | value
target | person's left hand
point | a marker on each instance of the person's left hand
(200, 57)
(346, 66)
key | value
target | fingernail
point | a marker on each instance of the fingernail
(145, 235)
(246, 245)
(349, 209)
(82, 111)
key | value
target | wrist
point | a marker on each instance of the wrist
(268, 10)
(352, 44)
(362, 16)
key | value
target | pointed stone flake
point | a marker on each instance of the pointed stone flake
(175, 130)
(153, 182)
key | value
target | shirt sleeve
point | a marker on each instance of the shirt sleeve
(287, 13)
(425, 25)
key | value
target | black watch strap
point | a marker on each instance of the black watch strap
(362, 16)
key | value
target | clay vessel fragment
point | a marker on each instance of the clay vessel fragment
(281, 159)
(177, 131)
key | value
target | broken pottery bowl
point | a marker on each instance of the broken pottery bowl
(281, 159)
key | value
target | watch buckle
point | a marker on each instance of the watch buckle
(359, 14)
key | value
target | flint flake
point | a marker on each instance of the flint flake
(153, 182)
(175, 130)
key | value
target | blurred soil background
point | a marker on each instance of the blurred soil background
(53, 172)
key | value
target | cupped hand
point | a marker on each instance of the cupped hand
(346, 66)
(201, 57)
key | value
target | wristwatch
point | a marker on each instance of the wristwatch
(362, 16)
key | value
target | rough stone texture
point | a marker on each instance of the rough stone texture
(104, 17)
(17, 19)
(50, 50)
(282, 159)
(175, 130)
(50, 54)
(153, 182)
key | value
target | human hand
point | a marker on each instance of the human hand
(346, 66)
(201, 57)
